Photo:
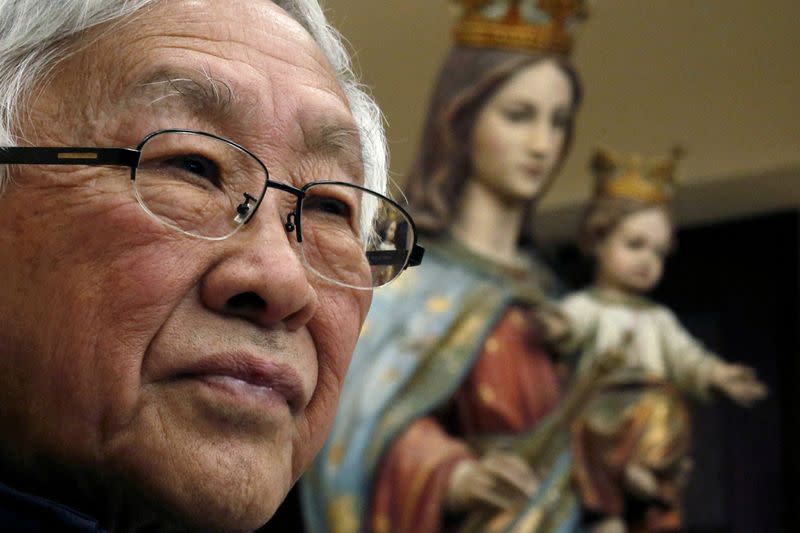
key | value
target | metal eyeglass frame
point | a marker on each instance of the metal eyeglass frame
(129, 157)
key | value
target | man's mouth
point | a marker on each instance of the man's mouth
(249, 377)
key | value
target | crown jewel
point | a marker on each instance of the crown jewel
(632, 178)
(533, 25)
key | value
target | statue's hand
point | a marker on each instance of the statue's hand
(614, 358)
(553, 325)
(739, 382)
(498, 480)
(610, 525)
(640, 481)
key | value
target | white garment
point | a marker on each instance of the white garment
(659, 345)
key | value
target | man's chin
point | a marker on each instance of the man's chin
(207, 503)
(205, 479)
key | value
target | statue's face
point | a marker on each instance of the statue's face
(631, 258)
(520, 133)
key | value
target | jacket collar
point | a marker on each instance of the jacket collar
(21, 511)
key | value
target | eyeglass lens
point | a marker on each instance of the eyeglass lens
(195, 183)
(208, 187)
(354, 236)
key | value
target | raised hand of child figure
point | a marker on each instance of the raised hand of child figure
(738, 382)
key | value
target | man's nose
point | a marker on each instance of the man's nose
(261, 277)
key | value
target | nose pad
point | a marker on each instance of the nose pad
(289, 226)
(244, 210)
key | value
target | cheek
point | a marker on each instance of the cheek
(619, 261)
(151, 279)
(91, 297)
(487, 142)
(137, 274)
(489, 149)
(559, 138)
(658, 269)
(142, 289)
(335, 331)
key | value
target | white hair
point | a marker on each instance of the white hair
(36, 34)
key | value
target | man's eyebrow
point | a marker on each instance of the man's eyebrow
(340, 142)
(202, 93)
(335, 140)
(212, 98)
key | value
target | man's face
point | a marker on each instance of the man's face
(202, 373)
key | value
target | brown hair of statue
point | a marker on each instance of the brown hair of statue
(603, 215)
(468, 78)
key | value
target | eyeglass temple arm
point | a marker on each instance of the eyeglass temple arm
(415, 258)
(17, 155)
(396, 257)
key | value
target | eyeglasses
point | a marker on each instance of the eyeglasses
(209, 187)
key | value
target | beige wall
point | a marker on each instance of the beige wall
(721, 77)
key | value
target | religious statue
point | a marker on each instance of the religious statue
(458, 350)
(631, 444)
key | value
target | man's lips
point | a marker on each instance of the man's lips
(245, 373)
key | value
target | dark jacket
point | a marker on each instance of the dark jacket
(26, 513)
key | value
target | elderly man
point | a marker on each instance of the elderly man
(189, 236)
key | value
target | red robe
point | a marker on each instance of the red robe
(512, 385)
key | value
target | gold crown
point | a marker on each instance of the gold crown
(632, 178)
(532, 25)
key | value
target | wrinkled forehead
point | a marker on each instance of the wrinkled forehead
(253, 36)
(239, 66)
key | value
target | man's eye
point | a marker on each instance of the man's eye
(327, 204)
(196, 165)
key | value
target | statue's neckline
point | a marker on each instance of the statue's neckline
(524, 270)
(627, 300)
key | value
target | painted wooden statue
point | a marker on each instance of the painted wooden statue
(630, 447)
(456, 351)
